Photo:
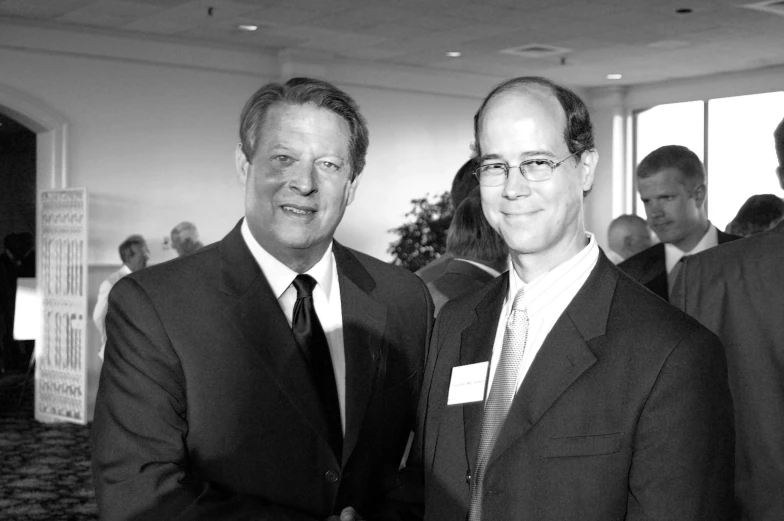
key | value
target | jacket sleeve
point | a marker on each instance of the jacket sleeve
(683, 461)
(140, 458)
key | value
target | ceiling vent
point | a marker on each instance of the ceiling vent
(537, 51)
(768, 6)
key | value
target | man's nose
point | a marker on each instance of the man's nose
(516, 184)
(304, 178)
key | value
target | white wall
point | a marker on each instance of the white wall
(152, 130)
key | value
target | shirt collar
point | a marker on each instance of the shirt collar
(125, 270)
(673, 254)
(545, 289)
(281, 276)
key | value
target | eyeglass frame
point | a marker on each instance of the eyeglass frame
(507, 167)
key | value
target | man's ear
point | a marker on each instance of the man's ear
(242, 164)
(352, 188)
(588, 161)
(699, 192)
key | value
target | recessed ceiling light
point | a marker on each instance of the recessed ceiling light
(454, 54)
(247, 27)
(614, 76)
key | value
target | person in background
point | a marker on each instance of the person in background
(737, 292)
(134, 255)
(478, 253)
(563, 389)
(627, 236)
(275, 374)
(671, 183)
(758, 214)
(462, 184)
(185, 238)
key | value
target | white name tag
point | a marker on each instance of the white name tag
(468, 383)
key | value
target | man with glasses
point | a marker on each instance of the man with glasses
(671, 182)
(562, 389)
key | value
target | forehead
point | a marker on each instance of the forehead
(286, 119)
(534, 112)
(665, 180)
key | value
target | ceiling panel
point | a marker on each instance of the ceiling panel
(645, 40)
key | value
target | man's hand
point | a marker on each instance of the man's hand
(348, 514)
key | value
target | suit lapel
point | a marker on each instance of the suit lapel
(262, 329)
(476, 345)
(364, 321)
(564, 355)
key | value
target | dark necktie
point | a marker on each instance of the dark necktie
(310, 337)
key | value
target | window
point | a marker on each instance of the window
(741, 158)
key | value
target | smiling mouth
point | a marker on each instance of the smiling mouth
(298, 211)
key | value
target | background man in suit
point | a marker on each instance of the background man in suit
(478, 253)
(601, 400)
(273, 375)
(671, 182)
(462, 184)
(737, 291)
(185, 238)
(627, 236)
(134, 254)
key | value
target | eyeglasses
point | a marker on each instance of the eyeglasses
(495, 174)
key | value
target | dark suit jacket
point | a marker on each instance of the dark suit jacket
(649, 266)
(624, 414)
(737, 291)
(206, 409)
(459, 277)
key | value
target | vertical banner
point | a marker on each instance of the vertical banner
(61, 355)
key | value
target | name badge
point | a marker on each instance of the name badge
(468, 383)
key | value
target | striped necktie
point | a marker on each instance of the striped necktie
(501, 395)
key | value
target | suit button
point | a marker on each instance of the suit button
(331, 476)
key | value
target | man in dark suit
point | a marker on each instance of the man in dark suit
(562, 389)
(478, 253)
(671, 182)
(273, 375)
(737, 291)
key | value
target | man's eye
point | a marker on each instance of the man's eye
(494, 168)
(282, 160)
(329, 166)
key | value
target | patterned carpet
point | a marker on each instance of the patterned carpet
(45, 467)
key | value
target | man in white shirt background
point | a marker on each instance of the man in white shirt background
(134, 254)
(671, 183)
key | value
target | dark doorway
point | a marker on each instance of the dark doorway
(17, 231)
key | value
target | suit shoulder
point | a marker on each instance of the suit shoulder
(384, 271)
(652, 317)
(197, 265)
(636, 265)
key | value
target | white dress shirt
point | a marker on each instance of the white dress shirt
(102, 304)
(673, 254)
(546, 298)
(326, 300)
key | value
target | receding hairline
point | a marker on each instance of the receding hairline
(542, 93)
